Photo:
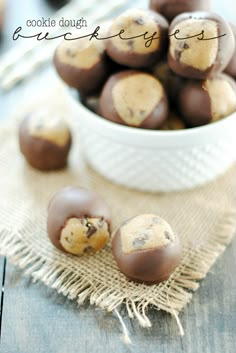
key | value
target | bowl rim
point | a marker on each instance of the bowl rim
(131, 135)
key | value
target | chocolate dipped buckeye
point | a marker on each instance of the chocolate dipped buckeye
(208, 51)
(134, 98)
(146, 249)
(138, 52)
(78, 221)
(231, 68)
(172, 8)
(173, 85)
(203, 102)
(45, 140)
(161, 71)
(169, 79)
(82, 64)
(173, 122)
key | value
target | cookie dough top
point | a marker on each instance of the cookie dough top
(200, 54)
(218, 88)
(81, 53)
(145, 232)
(50, 127)
(140, 91)
(135, 22)
(84, 235)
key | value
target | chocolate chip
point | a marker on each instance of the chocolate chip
(88, 250)
(139, 242)
(70, 53)
(167, 235)
(181, 47)
(130, 44)
(101, 223)
(139, 21)
(145, 236)
(186, 46)
(91, 230)
(178, 54)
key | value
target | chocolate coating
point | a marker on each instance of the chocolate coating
(199, 59)
(78, 204)
(134, 98)
(161, 71)
(172, 8)
(133, 52)
(146, 249)
(231, 68)
(203, 102)
(173, 86)
(82, 64)
(171, 82)
(41, 146)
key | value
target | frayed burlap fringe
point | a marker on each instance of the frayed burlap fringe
(173, 295)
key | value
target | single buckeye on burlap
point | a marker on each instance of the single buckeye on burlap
(204, 218)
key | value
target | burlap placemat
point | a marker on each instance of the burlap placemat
(204, 218)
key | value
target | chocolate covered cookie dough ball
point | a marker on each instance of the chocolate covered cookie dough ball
(78, 221)
(133, 52)
(203, 102)
(45, 140)
(172, 8)
(173, 85)
(82, 64)
(134, 98)
(173, 122)
(161, 71)
(231, 68)
(146, 249)
(195, 57)
(169, 79)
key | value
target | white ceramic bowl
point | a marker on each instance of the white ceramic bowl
(153, 160)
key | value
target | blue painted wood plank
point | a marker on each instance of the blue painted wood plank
(36, 319)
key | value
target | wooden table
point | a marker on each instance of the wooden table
(35, 319)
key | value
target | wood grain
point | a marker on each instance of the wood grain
(36, 319)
